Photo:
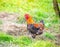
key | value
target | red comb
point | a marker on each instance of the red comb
(26, 16)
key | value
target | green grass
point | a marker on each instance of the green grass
(49, 35)
(4, 37)
(42, 43)
(21, 41)
(24, 41)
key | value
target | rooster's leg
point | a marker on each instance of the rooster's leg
(33, 35)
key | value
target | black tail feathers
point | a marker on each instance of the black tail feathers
(42, 21)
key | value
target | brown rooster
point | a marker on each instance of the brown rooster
(34, 28)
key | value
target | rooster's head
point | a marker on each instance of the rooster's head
(27, 16)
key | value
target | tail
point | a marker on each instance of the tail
(42, 21)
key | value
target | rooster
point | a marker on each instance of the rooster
(34, 28)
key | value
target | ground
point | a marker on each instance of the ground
(10, 27)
